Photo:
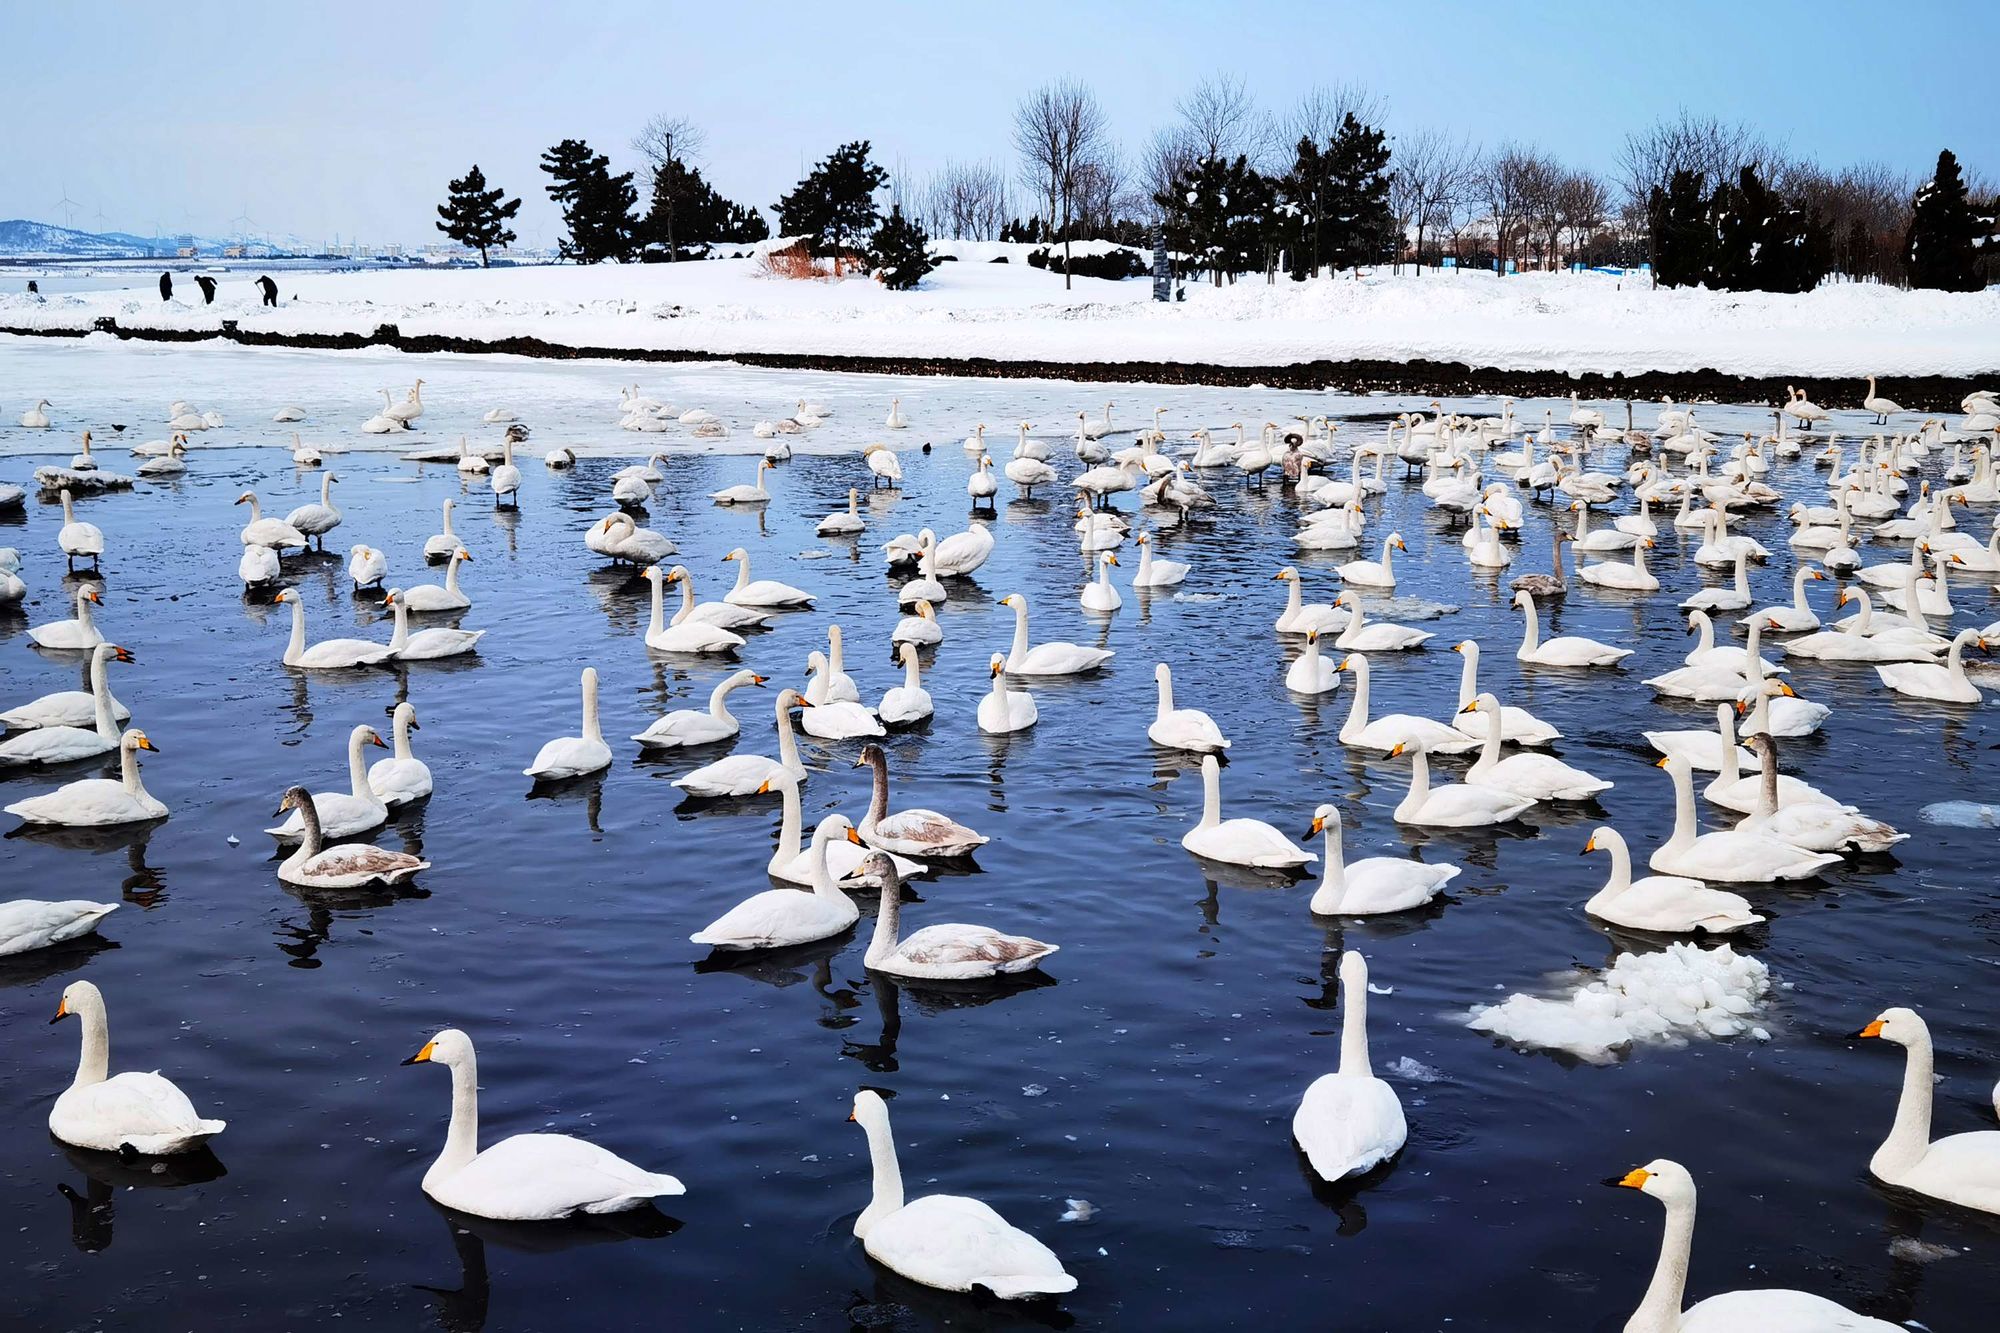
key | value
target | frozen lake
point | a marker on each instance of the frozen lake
(1154, 1070)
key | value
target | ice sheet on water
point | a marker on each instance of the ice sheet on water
(1198, 596)
(1416, 1071)
(1407, 608)
(1665, 998)
(1961, 814)
(1912, 1250)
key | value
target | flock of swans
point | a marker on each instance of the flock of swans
(1494, 474)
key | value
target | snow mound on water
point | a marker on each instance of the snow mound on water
(1667, 998)
(1961, 814)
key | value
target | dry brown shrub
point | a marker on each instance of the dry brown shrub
(793, 261)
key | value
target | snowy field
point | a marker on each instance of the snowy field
(970, 308)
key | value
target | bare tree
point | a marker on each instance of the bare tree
(1167, 159)
(1434, 176)
(1319, 113)
(1712, 149)
(1583, 202)
(666, 138)
(1100, 191)
(1505, 184)
(966, 201)
(1058, 129)
(1219, 119)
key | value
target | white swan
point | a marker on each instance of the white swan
(692, 726)
(448, 597)
(761, 592)
(1299, 616)
(327, 654)
(915, 832)
(1516, 724)
(366, 565)
(1705, 751)
(686, 634)
(62, 744)
(316, 520)
(745, 495)
(1455, 804)
(1663, 904)
(133, 1111)
(1154, 573)
(78, 635)
(1002, 710)
(506, 478)
(78, 540)
(896, 420)
(1729, 855)
(720, 614)
(344, 814)
(945, 1240)
(1100, 594)
(428, 644)
(793, 864)
(1241, 842)
(1386, 732)
(781, 918)
(36, 417)
(528, 1177)
(907, 704)
(1945, 683)
(1188, 729)
(1055, 658)
(919, 628)
(27, 924)
(1348, 1122)
(98, 802)
(1310, 672)
(1381, 637)
(402, 778)
(844, 522)
(1374, 573)
(883, 465)
(834, 719)
(574, 756)
(1539, 777)
(440, 545)
(946, 952)
(745, 774)
(272, 532)
(1564, 650)
(1961, 1168)
(1375, 885)
(346, 865)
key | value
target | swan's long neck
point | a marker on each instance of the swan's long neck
(1767, 790)
(591, 731)
(789, 828)
(100, 694)
(401, 638)
(1910, 1135)
(1742, 574)
(1725, 722)
(1354, 1028)
(461, 1140)
(402, 736)
(69, 510)
(718, 701)
(1357, 710)
(326, 490)
(1799, 588)
(888, 922)
(1165, 681)
(1706, 627)
(447, 518)
(1420, 782)
(1211, 794)
(1955, 660)
(310, 837)
(256, 509)
(687, 603)
(822, 874)
(1685, 828)
(742, 574)
(657, 624)
(298, 643)
(1660, 1311)
(1531, 637)
(835, 662)
(878, 798)
(1294, 599)
(913, 679)
(1334, 879)
(1020, 648)
(1489, 753)
(94, 1064)
(451, 574)
(1146, 562)
(1468, 675)
(788, 743)
(1621, 862)
(357, 769)
(888, 1197)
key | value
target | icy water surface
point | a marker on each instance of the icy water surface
(1151, 1075)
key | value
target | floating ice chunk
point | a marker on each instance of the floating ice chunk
(1961, 814)
(1080, 1210)
(1033, 1090)
(1198, 596)
(1667, 998)
(1915, 1251)
(1414, 1070)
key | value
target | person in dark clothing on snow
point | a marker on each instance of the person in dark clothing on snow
(270, 289)
(207, 285)
(166, 286)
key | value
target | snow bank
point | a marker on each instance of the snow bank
(1587, 322)
(1666, 998)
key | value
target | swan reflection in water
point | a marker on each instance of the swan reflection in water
(92, 1213)
(463, 1309)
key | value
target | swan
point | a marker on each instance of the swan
(842, 522)
(76, 635)
(1634, 577)
(745, 495)
(907, 704)
(76, 539)
(745, 774)
(258, 567)
(1704, 750)
(381, 423)
(1348, 1122)
(1730, 855)
(1775, 709)
(913, 832)
(919, 628)
(496, 416)
(835, 686)
(981, 485)
(762, 592)
(1735, 597)
(327, 654)
(316, 520)
(1158, 573)
(411, 407)
(1883, 408)
(1056, 658)
(347, 865)
(883, 465)
(618, 538)
(1769, 1309)
(1453, 805)
(1377, 638)
(366, 565)
(1867, 638)
(575, 756)
(834, 719)
(1565, 650)
(429, 644)
(271, 532)
(720, 614)
(401, 779)
(1961, 1168)
(686, 633)
(559, 459)
(1310, 672)
(432, 597)
(1539, 777)
(12, 589)
(98, 802)
(527, 1177)
(1663, 904)
(781, 918)
(72, 708)
(1242, 842)
(1182, 728)
(941, 952)
(1375, 886)
(1516, 724)
(962, 553)
(1386, 732)
(1298, 616)
(945, 1240)
(1374, 573)
(344, 814)
(440, 545)
(1028, 473)
(59, 744)
(1487, 551)
(1798, 617)
(27, 924)
(1945, 683)
(1002, 710)
(37, 417)
(975, 443)
(506, 478)
(844, 859)
(1817, 826)
(132, 1112)
(896, 420)
(1732, 791)
(925, 587)
(691, 726)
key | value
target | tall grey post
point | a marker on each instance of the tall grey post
(1163, 280)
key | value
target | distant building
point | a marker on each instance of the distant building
(235, 251)
(184, 252)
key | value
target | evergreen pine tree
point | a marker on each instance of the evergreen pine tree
(473, 215)
(1683, 231)
(1217, 212)
(1939, 248)
(900, 253)
(834, 206)
(596, 205)
(1305, 188)
(1358, 227)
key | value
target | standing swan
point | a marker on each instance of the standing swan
(945, 1240)
(528, 1177)
(129, 1112)
(1962, 1168)
(1350, 1121)
(78, 540)
(574, 756)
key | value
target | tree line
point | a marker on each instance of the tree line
(1236, 190)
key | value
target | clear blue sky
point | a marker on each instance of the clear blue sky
(316, 119)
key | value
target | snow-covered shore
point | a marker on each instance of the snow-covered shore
(1570, 323)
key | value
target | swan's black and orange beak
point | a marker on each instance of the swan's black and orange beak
(759, 680)
(854, 837)
(1662, 763)
(1634, 1179)
(850, 1117)
(145, 744)
(1318, 827)
(123, 655)
(1472, 707)
(1872, 1030)
(375, 738)
(62, 1012)
(1589, 847)
(422, 1057)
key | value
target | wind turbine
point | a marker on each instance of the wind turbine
(69, 207)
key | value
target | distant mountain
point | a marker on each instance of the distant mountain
(20, 238)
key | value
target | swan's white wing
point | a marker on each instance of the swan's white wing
(143, 1109)
(955, 1243)
(533, 1177)
(1348, 1124)
(1777, 1311)
(30, 923)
